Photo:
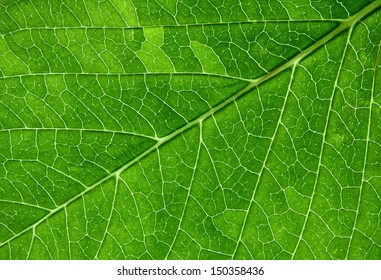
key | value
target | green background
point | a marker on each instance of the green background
(204, 129)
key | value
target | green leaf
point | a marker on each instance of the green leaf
(201, 129)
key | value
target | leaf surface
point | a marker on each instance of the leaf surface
(190, 129)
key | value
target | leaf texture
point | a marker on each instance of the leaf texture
(190, 129)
